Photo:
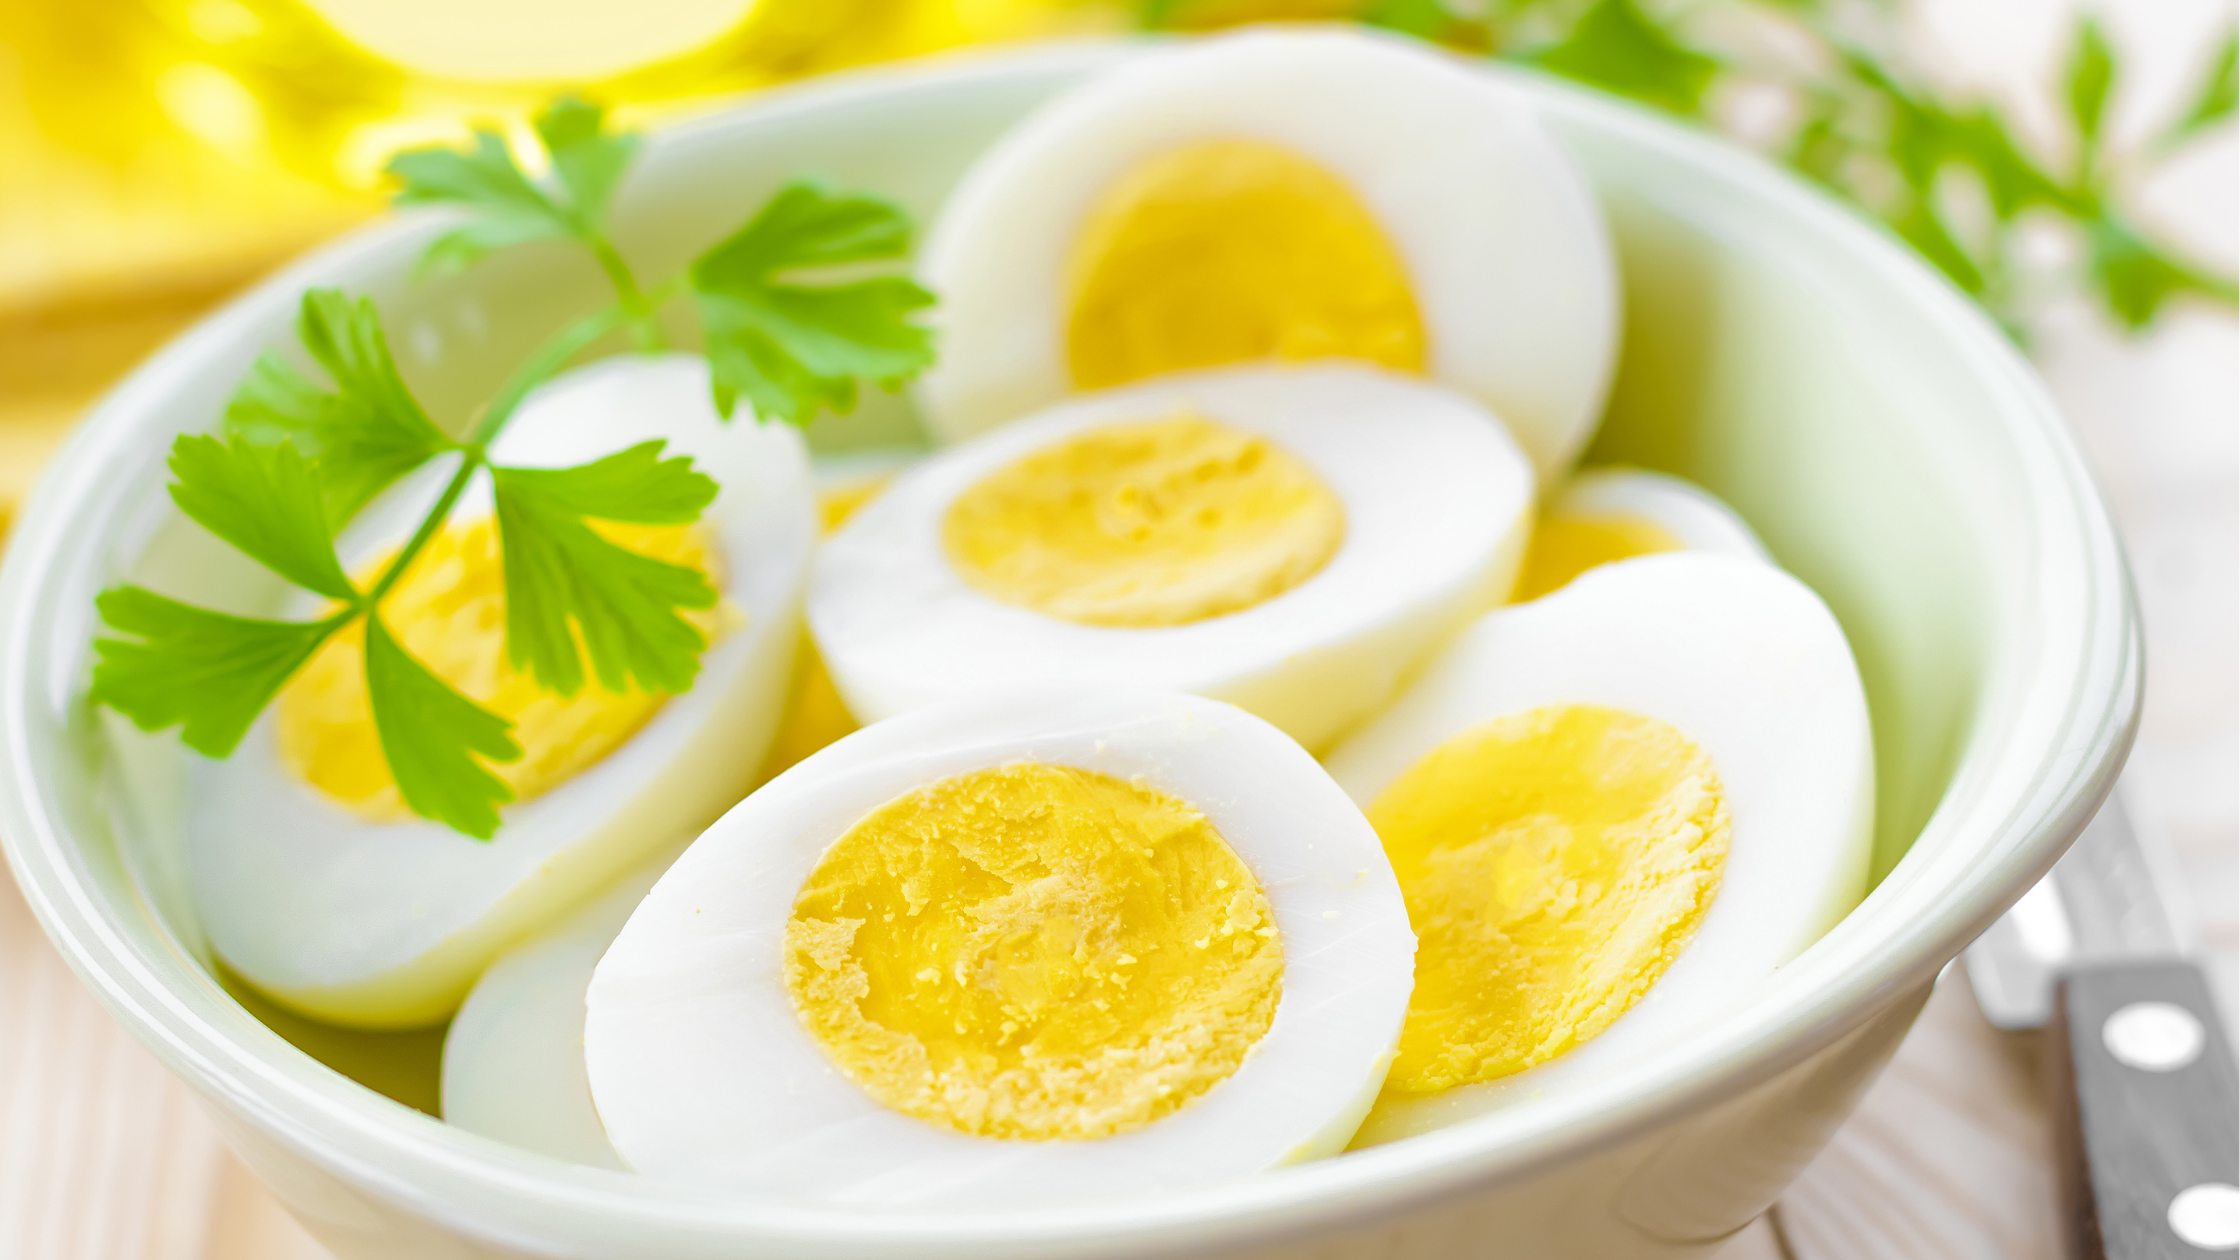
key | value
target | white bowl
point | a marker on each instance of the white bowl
(1890, 447)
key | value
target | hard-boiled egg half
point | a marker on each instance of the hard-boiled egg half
(513, 1055)
(1291, 540)
(1054, 942)
(1285, 195)
(1614, 811)
(1607, 514)
(319, 887)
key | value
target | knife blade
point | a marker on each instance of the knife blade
(2146, 1109)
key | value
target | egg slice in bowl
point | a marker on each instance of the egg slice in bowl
(1607, 514)
(1054, 943)
(1290, 540)
(513, 1055)
(319, 888)
(1614, 811)
(1277, 195)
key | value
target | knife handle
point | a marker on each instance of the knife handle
(2146, 1113)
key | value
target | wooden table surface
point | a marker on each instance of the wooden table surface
(103, 1156)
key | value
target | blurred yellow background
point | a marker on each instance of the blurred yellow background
(156, 155)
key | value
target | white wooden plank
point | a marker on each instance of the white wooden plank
(103, 1154)
(247, 1223)
(1949, 1156)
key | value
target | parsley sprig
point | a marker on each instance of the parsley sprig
(301, 455)
(1943, 171)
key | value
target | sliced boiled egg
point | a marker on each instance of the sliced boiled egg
(1277, 194)
(1614, 811)
(513, 1055)
(1606, 514)
(1289, 539)
(314, 882)
(1057, 942)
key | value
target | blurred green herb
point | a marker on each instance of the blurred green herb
(300, 458)
(1945, 172)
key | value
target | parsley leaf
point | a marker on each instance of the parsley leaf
(367, 432)
(1424, 19)
(1153, 15)
(563, 577)
(1923, 229)
(209, 673)
(2092, 71)
(266, 501)
(2220, 91)
(428, 735)
(634, 485)
(792, 348)
(587, 157)
(509, 209)
(1618, 47)
(2136, 279)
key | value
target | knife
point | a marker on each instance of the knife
(2146, 1113)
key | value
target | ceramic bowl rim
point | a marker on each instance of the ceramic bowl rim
(489, 1190)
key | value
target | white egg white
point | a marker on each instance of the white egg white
(1693, 516)
(702, 1072)
(1743, 660)
(1437, 499)
(513, 1056)
(388, 924)
(1504, 246)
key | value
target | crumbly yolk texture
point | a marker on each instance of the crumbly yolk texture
(1565, 546)
(1554, 864)
(1036, 952)
(1229, 250)
(1150, 523)
(449, 611)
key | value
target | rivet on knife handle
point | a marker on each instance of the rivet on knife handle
(2150, 1133)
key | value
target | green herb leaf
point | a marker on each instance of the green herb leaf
(1156, 15)
(589, 159)
(429, 734)
(793, 348)
(266, 501)
(1424, 19)
(1926, 232)
(563, 577)
(2220, 91)
(1981, 140)
(634, 485)
(510, 209)
(1922, 137)
(1617, 47)
(2092, 71)
(2137, 280)
(207, 672)
(469, 243)
(367, 432)
(277, 404)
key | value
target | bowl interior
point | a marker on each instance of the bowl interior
(1876, 432)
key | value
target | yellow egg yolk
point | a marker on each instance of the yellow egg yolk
(1554, 864)
(1034, 951)
(1155, 523)
(449, 611)
(1565, 546)
(1232, 250)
